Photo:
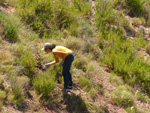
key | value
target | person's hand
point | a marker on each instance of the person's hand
(45, 66)
(61, 64)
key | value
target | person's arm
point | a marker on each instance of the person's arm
(53, 62)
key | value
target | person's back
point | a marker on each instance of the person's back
(62, 49)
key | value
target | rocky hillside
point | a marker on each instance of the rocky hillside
(110, 41)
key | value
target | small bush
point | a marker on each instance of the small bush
(83, 6)
(10, 27)
(19, 86)
(84, 29)
(1, 82)
(121, 96)
(106, 15)
(6, 58)
(136, 6)
(10, 97)
(133, 109)
(136, 21)
(75, 44)
(44, 83)
(93, 69)
(81, 62)
(29, 62)
(148, 48)
(142, 97)
(2, 1)
(85, 83)
(92, 93)
(2, 95)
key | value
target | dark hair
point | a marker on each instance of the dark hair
(52, 46)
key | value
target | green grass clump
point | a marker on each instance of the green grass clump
(85, 83)
(2, 97)
(142, 97)
(105, 13)
(93, 69)
(81, 62)
(134, 109)
(28, 61)
(115, 79)
(19, 85)
(10, 27)
(1, 82)
(44, 83)
(136, 6)
(122, 96)
(148, 48)
(83, 6)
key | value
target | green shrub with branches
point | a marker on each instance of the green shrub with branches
(44, 83)
(19, 85)
(10, 27)
(28, 61)
(136, 6)
(122, 96)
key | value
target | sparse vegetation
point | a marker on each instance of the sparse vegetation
(122, 96)
(115, 79)
(10, 27)
(105, 42)
(19, 86)
(2, 97)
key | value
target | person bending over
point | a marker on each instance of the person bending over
(67, 58)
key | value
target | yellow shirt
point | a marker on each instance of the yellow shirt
(63, 49)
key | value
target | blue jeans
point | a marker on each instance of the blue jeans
(66, 70)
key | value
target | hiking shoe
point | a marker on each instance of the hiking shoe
(69, 87)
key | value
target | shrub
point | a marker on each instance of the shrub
(136, 6)
(133, 109)
(1, 82)
(75, 44)
(142, 97)
(10, 27)
(105, 14)
(81, 62)
(44, 83)
(28, 61)
(2, 1)
(19, 85)
(148, 48)
(6, 58)
(84, 29)
(136, 21)
(93, 69)
(121, 96)
(10, 97)
(83, 6)
(2, 95)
